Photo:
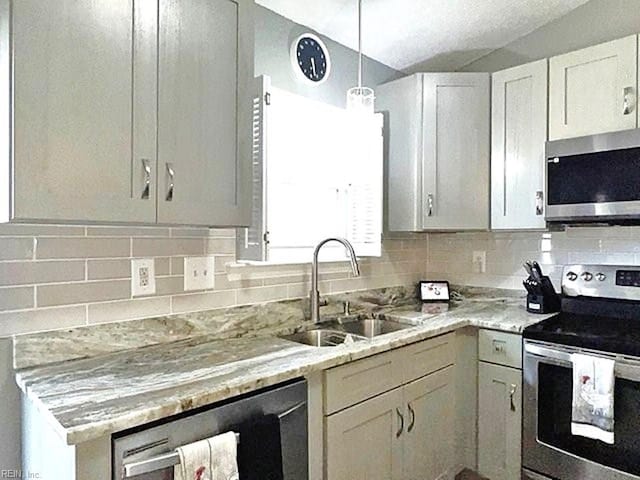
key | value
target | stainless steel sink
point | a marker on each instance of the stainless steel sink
(323, 338)
(372, 327)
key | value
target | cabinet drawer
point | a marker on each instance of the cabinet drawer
(501, 348)
(426, 357)
(349, 384)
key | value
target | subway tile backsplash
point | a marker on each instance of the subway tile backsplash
(60, 276)
(55, 277)
(450, 255)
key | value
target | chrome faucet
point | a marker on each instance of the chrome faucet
(314, 295)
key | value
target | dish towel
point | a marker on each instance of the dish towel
(593, 388)
(210, 459)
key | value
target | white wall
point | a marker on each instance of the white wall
(595, 22)
(274, 35)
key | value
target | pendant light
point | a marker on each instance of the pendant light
(360, 99)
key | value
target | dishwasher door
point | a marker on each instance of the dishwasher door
(150, 448)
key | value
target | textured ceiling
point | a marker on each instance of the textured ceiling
(440, 33)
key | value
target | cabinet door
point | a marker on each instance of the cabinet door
(364, 442)
(201, 125)
(455, 163)
(401, 103)
(430, 427)
(593, 90)
(518, 136)
(84, 74)
(499, 421)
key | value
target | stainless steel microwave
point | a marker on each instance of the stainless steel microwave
(594, 178)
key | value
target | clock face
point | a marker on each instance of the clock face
(311, 58)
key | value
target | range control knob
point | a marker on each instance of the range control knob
(586, 276)
(601, 277)
(572, 276)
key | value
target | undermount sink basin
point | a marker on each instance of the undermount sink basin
(323, 338)
(372, 327)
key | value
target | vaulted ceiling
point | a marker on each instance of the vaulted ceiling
(429, 33)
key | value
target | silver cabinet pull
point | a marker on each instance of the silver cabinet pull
(430, 205)
(146, 167)
(629, 101)
(401, 419)
(539, 202)
(413, 418)
(512, 392)
(170, 182)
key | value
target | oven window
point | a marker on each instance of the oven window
(554, 420)
(595, 178)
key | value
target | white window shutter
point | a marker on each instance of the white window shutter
(365, 186)
(252, 242)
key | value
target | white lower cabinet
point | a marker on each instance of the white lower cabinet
(429, 432)
(405, 433)
(363, 441)
(499, 421)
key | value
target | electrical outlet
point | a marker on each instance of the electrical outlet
(479, 261)
(143, 277)
(199, 273)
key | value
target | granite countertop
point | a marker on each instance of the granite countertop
(113, 390)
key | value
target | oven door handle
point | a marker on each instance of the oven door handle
(625, 367)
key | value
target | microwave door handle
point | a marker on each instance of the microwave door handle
(153, 464)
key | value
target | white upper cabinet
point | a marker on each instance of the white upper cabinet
(124, 111)
(594, 90)
(75, 156)
(518, 136)
(203, 101)
(437, 131)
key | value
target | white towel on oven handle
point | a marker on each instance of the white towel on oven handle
(592, 413)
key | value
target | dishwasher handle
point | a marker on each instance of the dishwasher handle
(154, 464)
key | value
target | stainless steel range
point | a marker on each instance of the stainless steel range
(600, 317)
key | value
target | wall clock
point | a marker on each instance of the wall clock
(310, 59)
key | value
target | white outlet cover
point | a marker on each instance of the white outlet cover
(479, 261)
(199, 273)
(143, 277)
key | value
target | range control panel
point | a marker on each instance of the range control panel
(628, 278)
(604, 281)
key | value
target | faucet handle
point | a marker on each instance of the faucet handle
(323, 302)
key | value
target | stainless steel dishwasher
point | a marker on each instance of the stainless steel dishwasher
(148, 452)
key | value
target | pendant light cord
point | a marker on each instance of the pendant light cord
(360, 44)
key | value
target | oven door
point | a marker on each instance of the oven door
(548, 446)
(594, 177)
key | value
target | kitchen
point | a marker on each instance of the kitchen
(139, 314)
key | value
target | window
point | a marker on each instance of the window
(317, 173)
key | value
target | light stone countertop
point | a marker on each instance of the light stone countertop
(85, 398)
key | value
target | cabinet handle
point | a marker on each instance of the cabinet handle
(512, 392)
(401, 427)
(170, 181)
(146, 167)
(539, 202)
(430, 205)
(629, 101)
(413, 418)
